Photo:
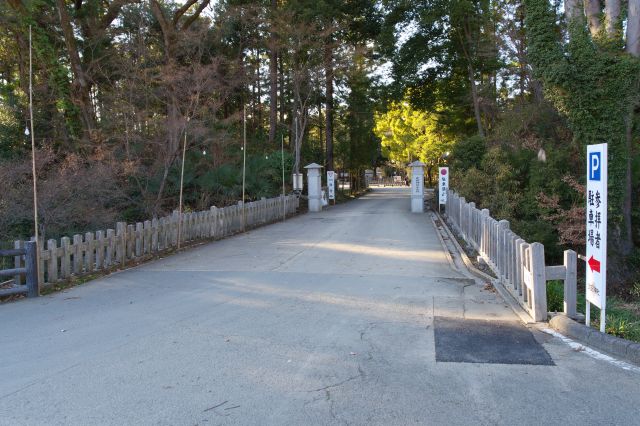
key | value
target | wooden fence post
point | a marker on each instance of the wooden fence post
(121, 244)
(517, 281)
(484, 232)
(65, 269)
(89, 257)
(570, 283)
(139, 239)
(99, 244)
(52, 267)
(31, 265)
(111, 247)
(17, 262)
(501, 249)
(77, 254)
(40, 248)
(146, 249)
(472, 228)
(130, 241)
(154, 235)
(213, 222)
(539, 293)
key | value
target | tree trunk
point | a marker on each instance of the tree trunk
(593, 10)
(320, 126)
(328, 69)
(259, 89)
(175, 123)
(627, 236)
(573, 9)
(273, 82)
(612, 17)
(476, 100)
(633, 28)
(81, 86)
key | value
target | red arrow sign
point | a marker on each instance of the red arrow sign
(594, 264)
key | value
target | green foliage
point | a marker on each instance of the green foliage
(223, 184)
(468, 153)
(596, 86)
(635, 291)
(623, 318)
(504, 174)
(408, 134)
(555, 296)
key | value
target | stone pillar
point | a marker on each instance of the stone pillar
(314, 187)
(417, 187)
(368, 177)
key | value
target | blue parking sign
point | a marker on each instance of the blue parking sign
(595, 166)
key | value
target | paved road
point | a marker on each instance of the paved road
(325, 319)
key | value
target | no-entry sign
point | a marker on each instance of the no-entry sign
(596, 278)
(443, 185)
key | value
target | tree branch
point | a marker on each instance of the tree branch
(181, 11)
(190, 20)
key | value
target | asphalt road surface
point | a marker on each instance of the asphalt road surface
(325, 319)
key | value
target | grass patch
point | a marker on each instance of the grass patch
(71, 282)
(623, 317)
(555, 296)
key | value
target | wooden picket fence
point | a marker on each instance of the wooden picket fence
(103, 250)
(519, 265)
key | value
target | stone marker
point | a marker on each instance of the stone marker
(417, 187)
(314, 187)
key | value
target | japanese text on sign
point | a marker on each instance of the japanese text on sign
(443, 184)
(417, 184)
(331, 186)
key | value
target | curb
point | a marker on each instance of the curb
(475, 272)
(622, 348)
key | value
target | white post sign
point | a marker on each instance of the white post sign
(596, 277)
(444, 184)
(331, 186)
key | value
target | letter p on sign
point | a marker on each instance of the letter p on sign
(594, 166)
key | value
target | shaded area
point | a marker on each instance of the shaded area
(482, 341)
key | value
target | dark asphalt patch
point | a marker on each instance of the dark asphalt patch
(492, 342)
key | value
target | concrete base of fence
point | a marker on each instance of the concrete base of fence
(474, 272)
(621, 348)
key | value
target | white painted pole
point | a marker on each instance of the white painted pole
(587, 314)
(603, 319)
(244, 161)
(33, 146)
(284, 195)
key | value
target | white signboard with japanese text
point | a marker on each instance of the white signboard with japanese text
(418, 187)
(443, 184)
(331, 185)
(596, 277)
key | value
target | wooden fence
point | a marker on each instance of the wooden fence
(103, 250)
(27, 256)
(519, 265)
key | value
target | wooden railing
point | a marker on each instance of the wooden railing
(113, 248)
(27, 255)
(518, 265)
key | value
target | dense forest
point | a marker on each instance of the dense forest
(506, 92)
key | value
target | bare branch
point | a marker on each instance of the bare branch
(181, 11)
(191, 19)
